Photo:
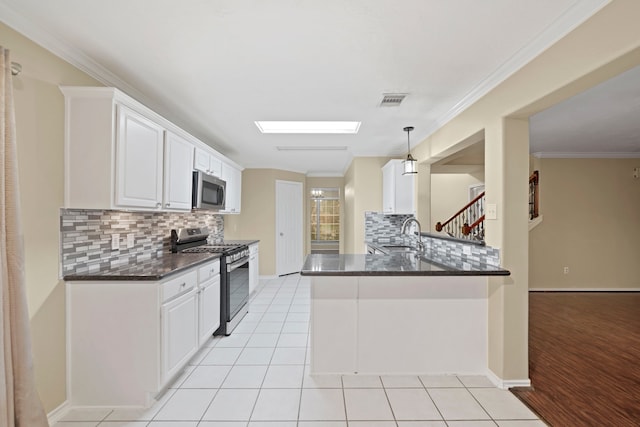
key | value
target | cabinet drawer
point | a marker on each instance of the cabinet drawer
(208, 271)
(178, 285)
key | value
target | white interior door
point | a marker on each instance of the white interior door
(289, 227)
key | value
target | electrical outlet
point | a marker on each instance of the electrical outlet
(565, 270)
(115, 241)
(130, 241)
(491, 211)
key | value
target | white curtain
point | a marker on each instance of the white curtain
(20, 405)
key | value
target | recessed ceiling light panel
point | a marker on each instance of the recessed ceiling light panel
(307, 127)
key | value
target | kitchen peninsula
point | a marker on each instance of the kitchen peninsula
(400, 312)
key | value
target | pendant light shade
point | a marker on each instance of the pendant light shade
(410, 165)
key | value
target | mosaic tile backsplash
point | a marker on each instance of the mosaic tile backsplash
(378, 225)
(384, 228)
(85, 235)
(460, 254)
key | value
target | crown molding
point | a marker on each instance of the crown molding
(324, 175)
(563, 25)
(585, 155)
(67, 52)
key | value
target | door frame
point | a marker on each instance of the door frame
(301, 232)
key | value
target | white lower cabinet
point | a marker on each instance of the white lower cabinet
(179, 333)
(127, 340)
(208, 300)
(254, 267)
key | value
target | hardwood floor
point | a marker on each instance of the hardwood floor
(584, 358)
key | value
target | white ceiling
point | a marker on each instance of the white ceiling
(603, 121)
(214, 67)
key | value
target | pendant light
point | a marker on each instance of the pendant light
(410, 163)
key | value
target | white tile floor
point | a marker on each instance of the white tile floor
(259, 377)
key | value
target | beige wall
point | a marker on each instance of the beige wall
(450, 193)
(604, 46)
(257, 219)
(590, 211)
(39, 108)
(324, 182)
(363, 192)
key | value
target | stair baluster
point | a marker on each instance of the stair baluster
(458, 225)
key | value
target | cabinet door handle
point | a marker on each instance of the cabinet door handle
(167, 204)
(182, 285)
(158, 205)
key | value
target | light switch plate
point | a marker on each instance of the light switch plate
(491, 211)
(115, 241)
(130, 241)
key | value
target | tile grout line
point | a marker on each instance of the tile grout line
(344, 400)
(431, 398)
(384, 389)
(483, 408)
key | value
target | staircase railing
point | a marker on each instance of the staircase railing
(534, 199)
(468, 222)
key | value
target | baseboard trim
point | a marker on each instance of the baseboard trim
(507, 384)
(268, 277)
(584, 289)
(57, 414)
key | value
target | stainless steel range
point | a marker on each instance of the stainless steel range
(234, 273)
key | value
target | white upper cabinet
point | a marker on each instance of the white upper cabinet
(233, 177)
(119, 154)
(139, 161)
(178, 158)
(398, 191)
(207, 163)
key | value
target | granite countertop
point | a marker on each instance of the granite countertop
(393, 264)
(154, 268)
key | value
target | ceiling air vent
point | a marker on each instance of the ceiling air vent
(392, 99)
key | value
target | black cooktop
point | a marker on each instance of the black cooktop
(194, 241)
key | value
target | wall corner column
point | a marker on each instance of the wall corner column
(506, 180)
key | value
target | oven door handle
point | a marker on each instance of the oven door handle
(237, 264)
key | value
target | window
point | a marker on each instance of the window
(325, 218)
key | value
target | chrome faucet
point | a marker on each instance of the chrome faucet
(405, 226)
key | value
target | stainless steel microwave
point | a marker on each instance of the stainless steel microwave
(209, 192)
